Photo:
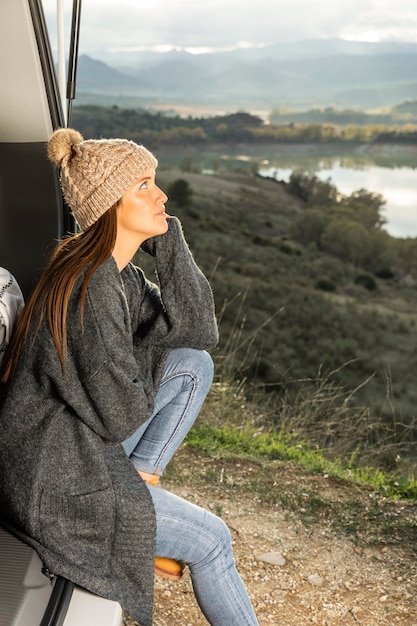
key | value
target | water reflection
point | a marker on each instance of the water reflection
(388, 170)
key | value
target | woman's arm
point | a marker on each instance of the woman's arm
(186, 314)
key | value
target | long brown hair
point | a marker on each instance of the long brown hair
(50, 297)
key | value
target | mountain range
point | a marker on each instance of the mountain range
(289, 75)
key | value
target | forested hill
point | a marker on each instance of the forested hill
(305, 284)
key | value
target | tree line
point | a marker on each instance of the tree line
(158, 128)
(404, 113)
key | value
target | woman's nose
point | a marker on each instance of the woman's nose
(163, 195)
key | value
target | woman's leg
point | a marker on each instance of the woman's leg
(188, 533)
(187, 378)
(184, 386)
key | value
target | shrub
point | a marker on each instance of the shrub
(385, 273)
(180, 192)
(367, 281)
(289, 248)
(325, 284)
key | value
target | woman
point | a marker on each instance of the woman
(104, 376)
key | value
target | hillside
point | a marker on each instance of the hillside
(311, 549)
(301, 75)
(292, 315)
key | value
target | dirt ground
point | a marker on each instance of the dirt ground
(299, 566)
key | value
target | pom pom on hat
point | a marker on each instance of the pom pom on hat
(95, 173)
(61, 144)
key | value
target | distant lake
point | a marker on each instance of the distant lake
(397, 185)
(388, 170)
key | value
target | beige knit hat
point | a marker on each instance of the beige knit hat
(95, 173)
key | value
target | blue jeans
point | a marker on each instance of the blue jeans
(184, 531)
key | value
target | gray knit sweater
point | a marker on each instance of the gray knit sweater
(66, 486)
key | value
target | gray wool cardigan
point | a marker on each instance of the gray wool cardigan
(66, 486)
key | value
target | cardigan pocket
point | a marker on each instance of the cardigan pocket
(80, 528)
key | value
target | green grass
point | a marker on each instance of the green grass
(250, 444)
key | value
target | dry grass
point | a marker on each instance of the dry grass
(324, 415)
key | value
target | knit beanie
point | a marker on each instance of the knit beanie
(95, 173)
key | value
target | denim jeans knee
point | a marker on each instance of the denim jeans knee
(186, 380)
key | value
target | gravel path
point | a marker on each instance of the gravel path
(297, 573)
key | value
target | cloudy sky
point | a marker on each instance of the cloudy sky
(222, 24)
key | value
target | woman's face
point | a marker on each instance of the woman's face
(141, 210)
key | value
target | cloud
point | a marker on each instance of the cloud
(387, 20)
(218, 23)
(224, 23)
